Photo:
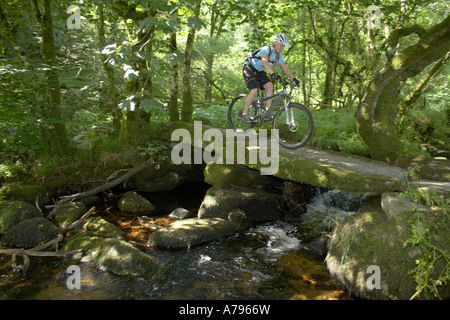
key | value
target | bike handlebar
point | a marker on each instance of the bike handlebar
(285, 83)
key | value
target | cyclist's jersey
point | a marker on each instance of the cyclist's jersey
(257, 63)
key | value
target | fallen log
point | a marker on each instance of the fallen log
(108, 185)
(24, 252)
(103, 187)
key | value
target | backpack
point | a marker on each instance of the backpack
(253, 54)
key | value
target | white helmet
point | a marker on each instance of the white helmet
(281, 38)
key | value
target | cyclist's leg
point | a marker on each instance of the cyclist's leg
(248, 101)
(251, 80)
(266, 85)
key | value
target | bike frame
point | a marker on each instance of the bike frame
(284, 93)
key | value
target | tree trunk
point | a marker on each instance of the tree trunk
(187, 109)
(135, 118)
(34, 82)
(376, 116)
(146, 81)
(131, 128)
(111, 95)
(328, 88)
(327, 93)
(209, 76)
(173, 102)
(57, 130)
(303, 63)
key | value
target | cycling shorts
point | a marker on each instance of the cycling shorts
(253, 78)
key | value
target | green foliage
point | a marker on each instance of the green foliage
(216, 115)
(433, 267)
(321, 34)
(336, 130)
(154, 148)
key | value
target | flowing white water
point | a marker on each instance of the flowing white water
(279, 239)
(328, 208)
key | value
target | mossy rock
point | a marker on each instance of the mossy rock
(30, 233)
(12, 212)
(165, 175)
(69, 212)
(258, 205)
(225, 175)
(115, 255)
(369, 238)
(26, 193)
(432, 169)
(103, 228)
(191, 232)
(313, 171)
(133, 203)
(91, 201)
(240, 220)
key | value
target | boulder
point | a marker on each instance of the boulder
(432, 187)
(370, 240)
(180, 213)
(30, 233)
(103, 228)
(133, 203)
(165, 176)
(344, 200)
(257, 204)
(25, 193)
(69, 212)
(225, 175)
(240, 219)
(92, 201)
(319, 246)
(432, 169)
(115, 255)
(190, 232)
(393, 204)
(12, 212)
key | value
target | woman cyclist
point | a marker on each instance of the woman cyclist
(256, 66)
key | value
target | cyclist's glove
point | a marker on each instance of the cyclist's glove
(296, 82)
(276, 76)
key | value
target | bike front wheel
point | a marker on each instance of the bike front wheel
(235, 118)
(293, 126)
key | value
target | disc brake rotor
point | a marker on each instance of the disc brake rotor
(293, 127)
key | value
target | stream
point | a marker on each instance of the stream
(265, 262)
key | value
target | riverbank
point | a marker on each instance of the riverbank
(266, 262)
(246, 189)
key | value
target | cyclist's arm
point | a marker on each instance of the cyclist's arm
(286, 70)
(266, 65)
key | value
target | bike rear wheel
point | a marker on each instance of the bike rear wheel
(235, 118)
(295, 126)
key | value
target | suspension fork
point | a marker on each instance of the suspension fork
(289, 112)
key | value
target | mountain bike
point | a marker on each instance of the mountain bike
(293, 120)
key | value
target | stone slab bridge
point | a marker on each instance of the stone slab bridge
(306, 165)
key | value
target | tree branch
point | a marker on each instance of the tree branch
(396, 35)
(105, 186)
(405, 105)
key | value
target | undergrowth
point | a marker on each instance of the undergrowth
(432, 270)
